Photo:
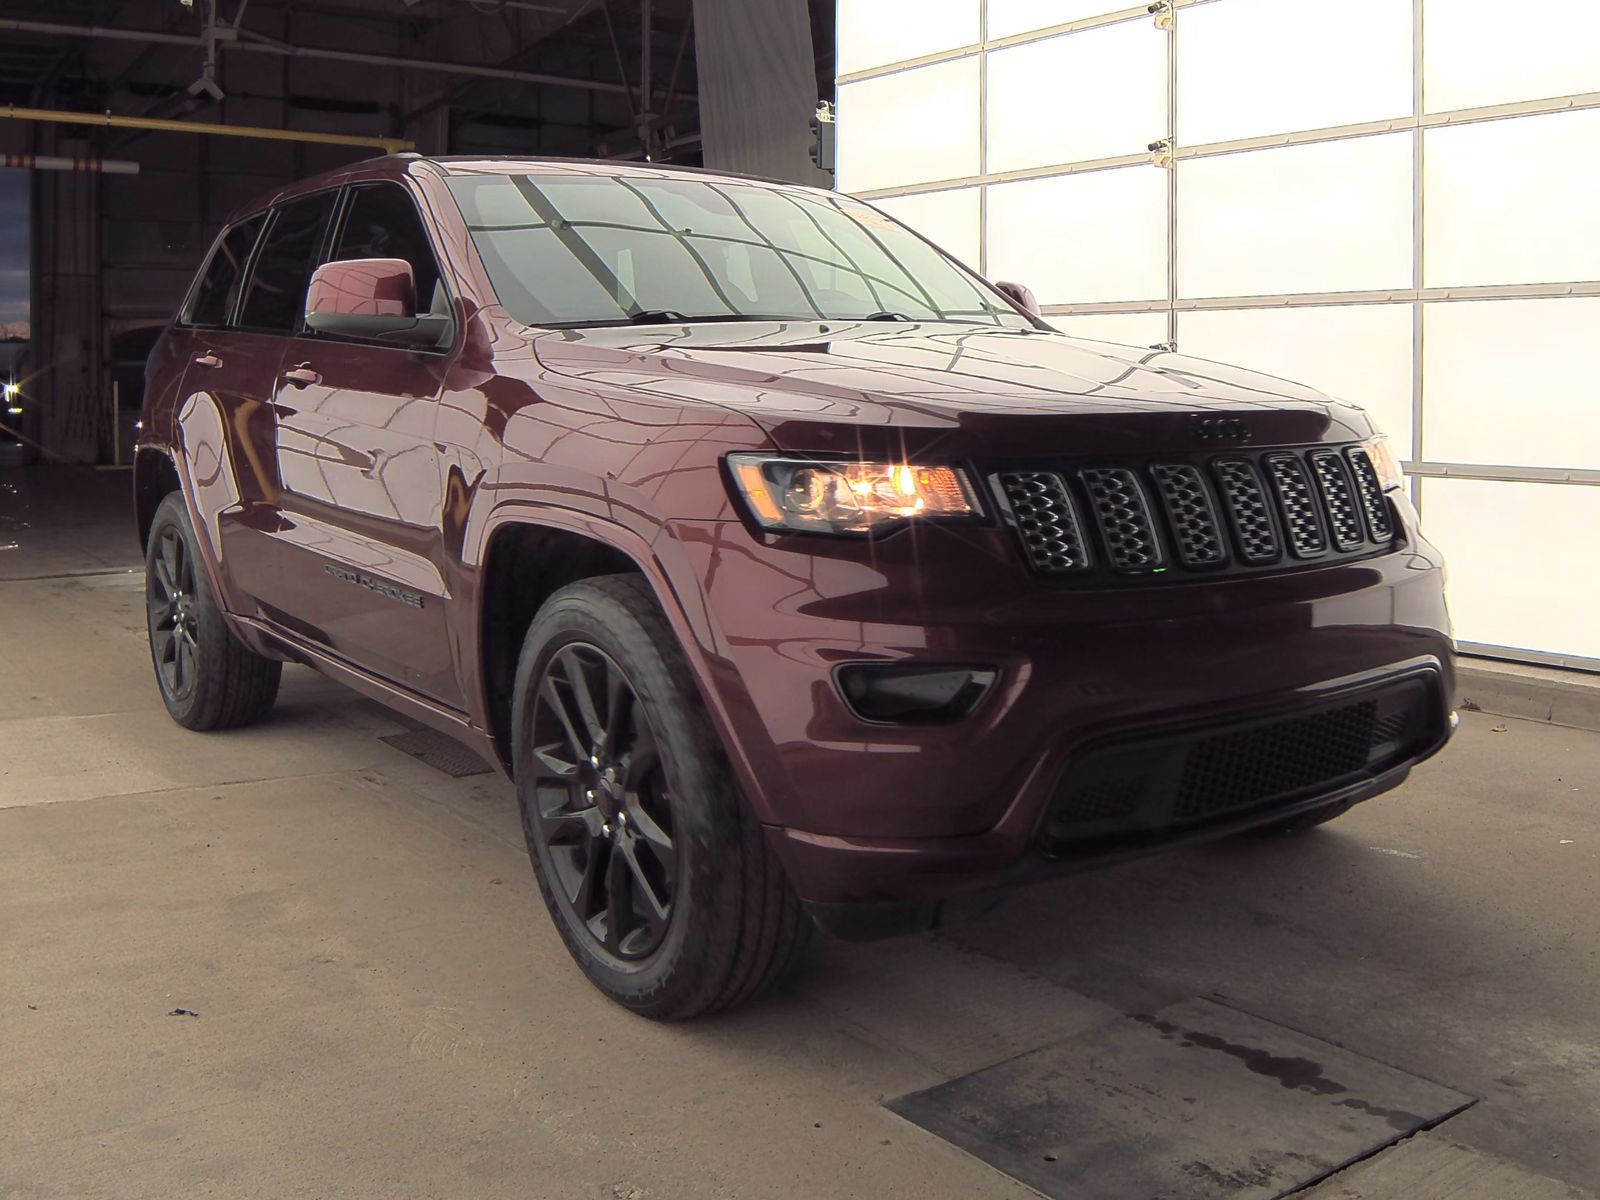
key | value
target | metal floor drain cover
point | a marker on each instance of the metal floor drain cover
(1198, 1101)
(439, 751)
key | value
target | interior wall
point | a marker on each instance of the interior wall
(1388, 199)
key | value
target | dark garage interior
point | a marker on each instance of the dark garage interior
(305, 955)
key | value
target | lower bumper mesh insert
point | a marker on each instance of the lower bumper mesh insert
(1169, 780)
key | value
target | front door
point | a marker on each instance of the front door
(361, 483)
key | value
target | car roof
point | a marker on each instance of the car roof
(399, 166)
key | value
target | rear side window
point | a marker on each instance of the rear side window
(219, 285)
(276, 298)
(382, 222)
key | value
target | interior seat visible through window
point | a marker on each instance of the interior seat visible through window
(277, 296)
(382, 222)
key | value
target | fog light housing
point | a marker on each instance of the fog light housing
(899, 694)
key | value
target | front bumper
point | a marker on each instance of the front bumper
(884, 815)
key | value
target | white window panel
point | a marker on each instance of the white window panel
(1131, 329)
(875, 33)
(1519, 573)
(1327, 217)
(1359, 353)
(1008, 17)
(1513, 201)
(1252, 67)
(916, 126)
(1489, 52)
(1511, 383)
(1098, 236)
(947, 219)
(1094, 94)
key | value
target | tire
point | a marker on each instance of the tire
(208, 678)
(666, 839)
(1305, 821)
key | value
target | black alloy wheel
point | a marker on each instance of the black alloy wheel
(659, 878)
(602, 808)
(173, 607)
(208, 678)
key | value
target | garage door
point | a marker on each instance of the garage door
(1393, 200)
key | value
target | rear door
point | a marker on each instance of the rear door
(224, 425)
(238, 366)
(362, 489)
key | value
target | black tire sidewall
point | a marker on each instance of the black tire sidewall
(211, 628)
(704, 802)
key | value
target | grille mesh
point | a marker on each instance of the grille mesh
(1124, 518)
(1233, 770)
(1181, 776)
(1246, 499)
(1046, 520)
(1333, 478)
(1199, 541)
(1373, 506)
(1297, 504)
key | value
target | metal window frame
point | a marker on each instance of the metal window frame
(1419, 120)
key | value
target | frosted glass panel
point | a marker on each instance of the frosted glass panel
(875, 32)
(913, 127)
(1334, 216)
(1490, 52)
(1094, 94)
(1007, 17)
(1514, 577)
(947, 219)
(1250, 67)
(1513, 201)
(1511, 382)
(1360, 353)
(1131, 329)
(1081, 238)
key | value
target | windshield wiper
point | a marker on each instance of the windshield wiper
(886, 315)
(674, 317)
(656, 316)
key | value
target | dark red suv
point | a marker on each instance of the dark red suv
(794, 573)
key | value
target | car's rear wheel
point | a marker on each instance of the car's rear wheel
(652, 866)
(208, 678)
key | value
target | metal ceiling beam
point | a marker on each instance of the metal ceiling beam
(263, 45)
(162, 125)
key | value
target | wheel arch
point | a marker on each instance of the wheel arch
(155, 477)
(595, 546)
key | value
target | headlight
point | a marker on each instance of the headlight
(1383, 459)
(848, 497)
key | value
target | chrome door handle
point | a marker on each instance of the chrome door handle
(302, 376)
(207, 360)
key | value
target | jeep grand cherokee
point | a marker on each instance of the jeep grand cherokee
(794, 574)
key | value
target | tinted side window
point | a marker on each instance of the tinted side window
(219, 286)
(382, 222)
(277, 296)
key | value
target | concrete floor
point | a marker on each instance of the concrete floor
(384, 1009)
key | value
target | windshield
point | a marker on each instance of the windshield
(612, 248)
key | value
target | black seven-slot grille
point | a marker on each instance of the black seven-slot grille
(1170, 517)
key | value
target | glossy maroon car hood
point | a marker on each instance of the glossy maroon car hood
(820, 387)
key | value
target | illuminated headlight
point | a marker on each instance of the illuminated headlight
(803, 496)
(1385, 462)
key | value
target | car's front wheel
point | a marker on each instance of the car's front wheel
(209, 679)
(655, 871)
